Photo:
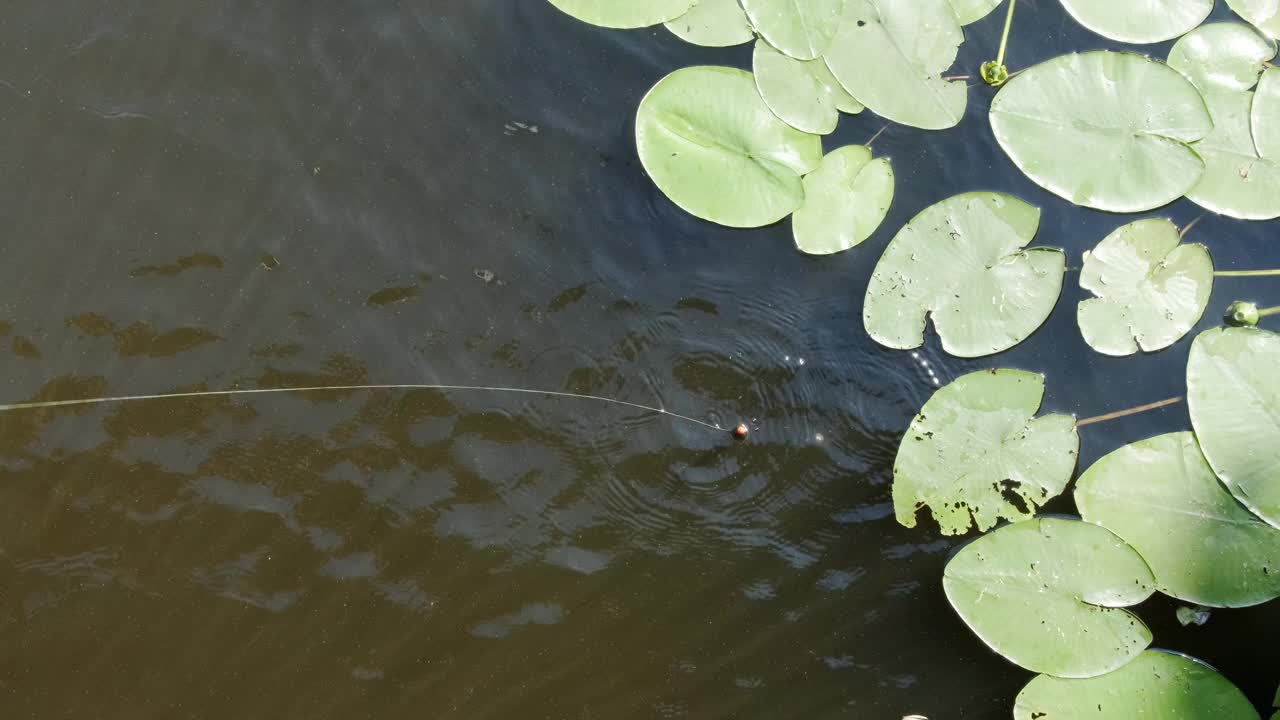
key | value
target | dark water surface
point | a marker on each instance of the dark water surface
(215, 193)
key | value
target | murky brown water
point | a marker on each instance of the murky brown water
(228, 194)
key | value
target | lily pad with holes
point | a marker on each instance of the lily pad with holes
(802, 93)
(1156, 684)
(713, 23)
(891, 55)
(624, 13)
(1106, 130)
(845, 200)
(1233, 393)
(1237, 181)
(1046, 594)
(1222, 56)
(1265, 115)
(1160, 496)
(802, 29)
(1262, 14)
(1142, 22)
(711, 145)
(964, 263)
(971, 11)
(1151, 290)
(977, 454)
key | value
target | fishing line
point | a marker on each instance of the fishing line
(330, 388)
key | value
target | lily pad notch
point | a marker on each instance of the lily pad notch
(964, 264)
(1150, 289)
(977, 454)
(1047, 595)
(1080, 126)
(714, 147)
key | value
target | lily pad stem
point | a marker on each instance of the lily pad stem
(1269, 311)
(1247, 273)
(1183, 233)
(1131, 411)
(878, 133)
(995, 73)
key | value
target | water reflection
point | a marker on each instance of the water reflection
(418, 527)
(206, 195)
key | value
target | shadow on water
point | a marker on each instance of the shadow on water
(213, 195)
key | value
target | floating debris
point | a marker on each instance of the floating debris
(1188, 616)
(515, 126)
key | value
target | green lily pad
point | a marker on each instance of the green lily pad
(1222, 56)
(1155, 685)
(1085, 127)
(1144, 22)
(890, 55)
(624, 13)
(1150, 289)
(971, 11)
(1265, 115)
(713, 23)
(802, 29)
(845, 200)
(977, 453)
(1160, 496)
(1233, 393)
(802, 93)
(1262, 14)
(963, 262)
(1046, 594)
(711, 145)
(1237, 182)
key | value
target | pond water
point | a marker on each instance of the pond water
(212, 194)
